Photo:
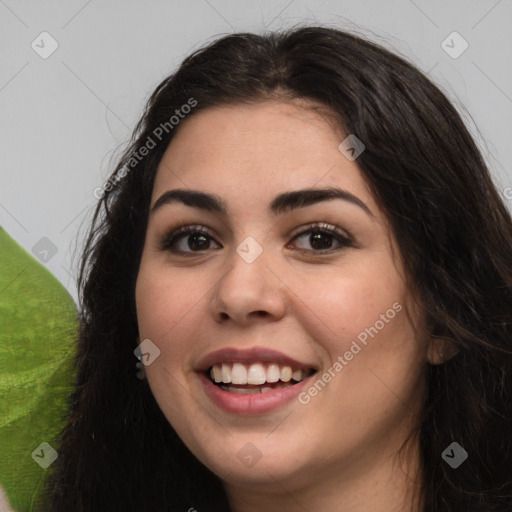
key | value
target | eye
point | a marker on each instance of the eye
(323, 238)
(187, 239)
(320, 237)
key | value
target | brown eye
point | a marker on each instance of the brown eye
(319, 238)
(188, 239)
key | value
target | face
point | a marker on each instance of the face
(303, 295)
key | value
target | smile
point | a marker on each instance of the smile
(252, 381)
(259, 377)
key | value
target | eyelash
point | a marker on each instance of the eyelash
(170, 239)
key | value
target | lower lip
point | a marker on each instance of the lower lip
(254, 403)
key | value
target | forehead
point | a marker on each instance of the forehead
(258, 150)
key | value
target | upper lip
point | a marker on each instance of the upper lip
(253, 355)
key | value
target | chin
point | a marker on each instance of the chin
(249, 459)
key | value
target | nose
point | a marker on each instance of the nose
(249, 292)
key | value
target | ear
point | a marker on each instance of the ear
(440, 350)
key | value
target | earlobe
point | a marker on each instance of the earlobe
(440, 350)
(140, 371)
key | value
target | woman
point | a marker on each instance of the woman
(304, 247)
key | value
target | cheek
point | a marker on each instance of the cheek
(170, 310)
(340, 305)
(165, 299)
(359, 320)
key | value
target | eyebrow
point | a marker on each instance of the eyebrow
(285, 202)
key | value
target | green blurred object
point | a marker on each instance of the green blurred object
(38, 331)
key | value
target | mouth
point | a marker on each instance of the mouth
(252, 381)
(257, 377)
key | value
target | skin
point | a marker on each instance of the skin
(339, 451)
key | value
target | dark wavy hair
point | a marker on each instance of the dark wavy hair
(117, 451)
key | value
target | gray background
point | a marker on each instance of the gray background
(62, 117)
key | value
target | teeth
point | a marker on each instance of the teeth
(251, 391)
(297, 375)
(238, 374)
(255, 374)
(242, 391)
(273, 373)
(226, 373)
(286, 374)
(216, 373)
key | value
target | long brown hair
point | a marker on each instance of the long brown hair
(118, 451)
